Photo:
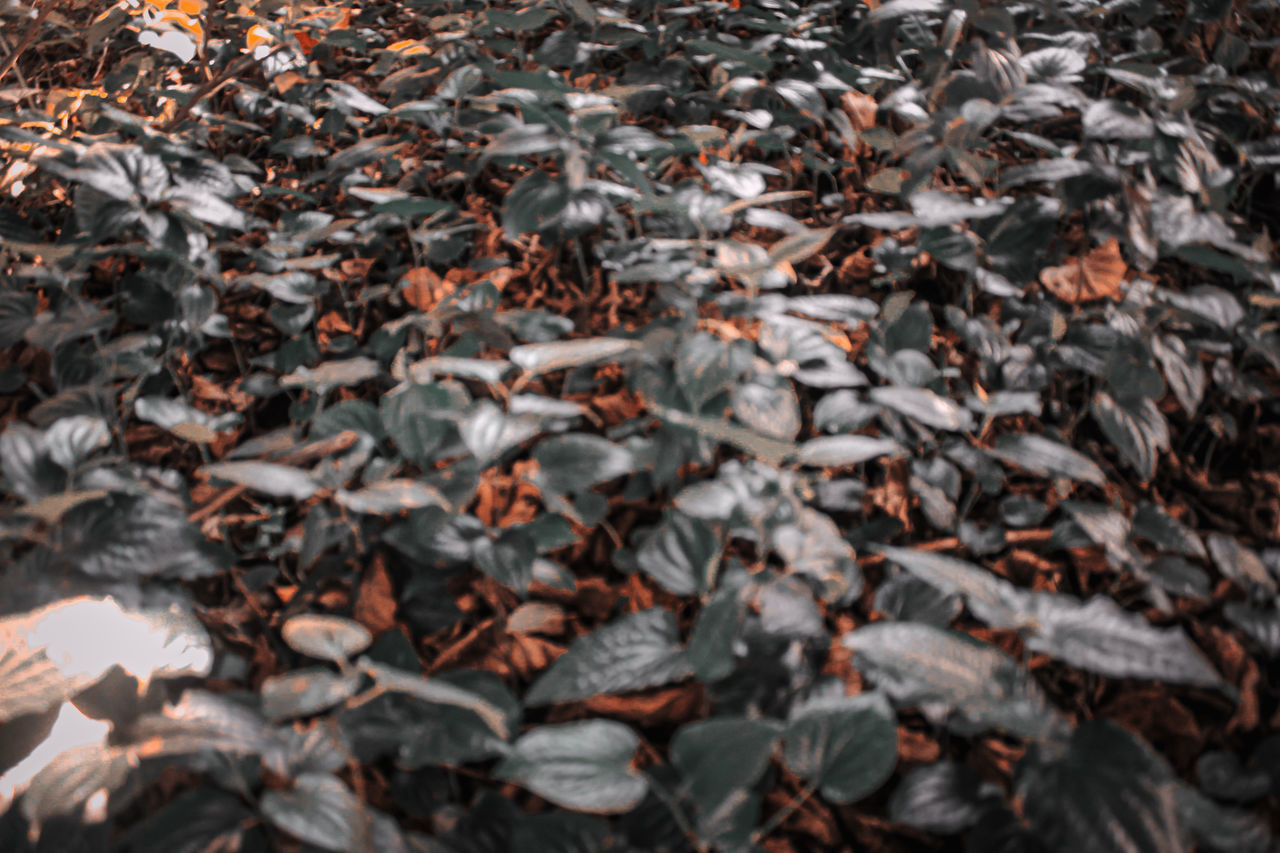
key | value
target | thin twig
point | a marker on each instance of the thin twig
(951, 543)
(27, 38)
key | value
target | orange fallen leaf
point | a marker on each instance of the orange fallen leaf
(860, 108)
(1098, 275)
(376, 603)
(423, 288)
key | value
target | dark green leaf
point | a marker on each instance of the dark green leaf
(682, 554)
(584, 766)
(1102, 791)
(578, 461)
(633, 652)
(320, 810)
(848, 746)
(939, 670)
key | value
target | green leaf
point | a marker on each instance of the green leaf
(320, 810)
(1047, 458)
(332, 374)
(943, 798)
(584, 766)
(489, 432)
(280, 481)
(633, 652)
(812, 545)
(1135, 427)
(682, 554)
(411, 419)
(992, 599)
(1239, 563)
(1104, 791)
(764, 448)
(848, 746)
(923, 405)
(801, 245)
(441, 692)
(305, 692)
(720, 760)
(1100, 637)
(714, 635)
(577, 461)
(768, 405)
(939, 670)
(391, 496)
(831, 451)
(536, 359)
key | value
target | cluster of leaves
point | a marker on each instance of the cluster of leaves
(674, 425)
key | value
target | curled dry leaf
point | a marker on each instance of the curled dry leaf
(1098, 275)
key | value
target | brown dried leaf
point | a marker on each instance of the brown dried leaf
(376, 602)
(861, 109)
(1098, 275)
(423, 288)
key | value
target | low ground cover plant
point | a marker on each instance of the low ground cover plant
(449, 426)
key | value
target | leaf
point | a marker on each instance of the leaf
(681, 554)
(488, 370)
(305, 692)
(1135, 427)
(320, 810)
(990, 598)
(1166, 532)
(1221, 828)
(1239, 563)
(537, 359)
(924, 406)
(1182, 370)
(489, 432)
(182, 419)
(72, 440)
(333, 374)
(769, 408)
(410, 418)
(945, 798)
(440, 692)
(938, 670)
(132, 537)
(715, 775)
(800, 246)
(633, 652)
(847, 746)
(832, 451)
(1097, 275)
(72, 775)
(1046, 458)
(1111, 119)
(577, 461)
(1105, 792)
(332, 638)
(812, 545)
(391, 496)
(1100, 637)
(280, 481)
(583, 766)
(769, 450)
(901, 8)
(52, 653)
